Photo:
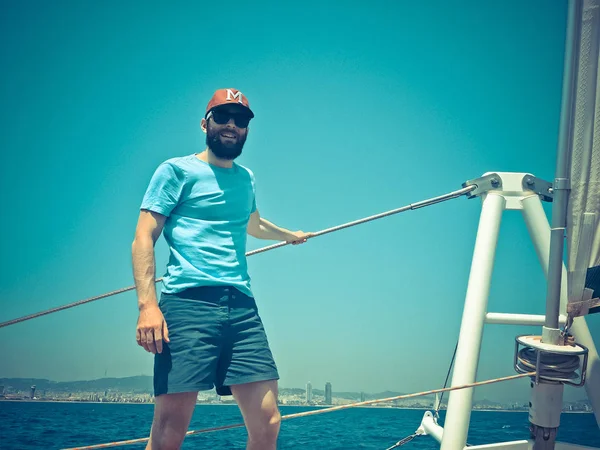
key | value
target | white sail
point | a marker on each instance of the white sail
(583, 218)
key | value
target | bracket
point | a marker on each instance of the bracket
(484, 184)
(541, 187)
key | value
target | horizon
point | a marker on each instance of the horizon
(313, 389)
(382, 107)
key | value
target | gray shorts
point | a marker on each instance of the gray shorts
(216, 339)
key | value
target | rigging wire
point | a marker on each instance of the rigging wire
(436, 415)
(401, 442)
(439, 405)
(412, 206)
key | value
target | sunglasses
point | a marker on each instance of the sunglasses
(222, 118)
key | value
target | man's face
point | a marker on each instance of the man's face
(226, 131)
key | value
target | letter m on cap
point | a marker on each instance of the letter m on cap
(237, 96)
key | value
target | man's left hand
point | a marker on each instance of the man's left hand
(298, 237)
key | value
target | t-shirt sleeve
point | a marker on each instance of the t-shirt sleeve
(253, 209)
(164, 190)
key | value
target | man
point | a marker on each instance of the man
(206, 330)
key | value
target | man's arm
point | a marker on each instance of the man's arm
(151, 327)
(261, 228)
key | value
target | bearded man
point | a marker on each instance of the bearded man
(205, 331)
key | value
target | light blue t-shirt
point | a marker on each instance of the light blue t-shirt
(207, 209)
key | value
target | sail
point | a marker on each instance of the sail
(583, 217)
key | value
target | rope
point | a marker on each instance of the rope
(316, 412)
(70, 305)
(428, 202)
(554, 366)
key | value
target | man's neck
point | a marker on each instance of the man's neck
(208, 156)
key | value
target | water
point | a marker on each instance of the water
(34, 425)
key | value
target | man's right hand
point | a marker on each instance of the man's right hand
(152, 329)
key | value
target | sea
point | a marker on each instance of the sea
(36, 425)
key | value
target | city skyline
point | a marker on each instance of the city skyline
(327, 393)
(287, 397)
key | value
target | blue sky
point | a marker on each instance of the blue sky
(360, 108)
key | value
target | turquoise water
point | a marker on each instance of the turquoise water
(33, 425)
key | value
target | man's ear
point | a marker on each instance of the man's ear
(203, 125)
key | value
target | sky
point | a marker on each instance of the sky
(361, 107)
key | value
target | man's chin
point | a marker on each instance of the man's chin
(229, 154)
(227, 157)
(224, 150)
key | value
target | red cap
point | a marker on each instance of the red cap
(226, 97)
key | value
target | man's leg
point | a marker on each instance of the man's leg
(172, 415)
(258, 404)
(186, 365)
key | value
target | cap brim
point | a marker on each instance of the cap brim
(238, 105)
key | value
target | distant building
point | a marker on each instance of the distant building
(32, 393)
(309, 393)
(328, 393)
(362, 396)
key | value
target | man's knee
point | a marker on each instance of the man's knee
(172, 416)
(166, 435)
(266, 430)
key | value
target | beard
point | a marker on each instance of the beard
(224, 149)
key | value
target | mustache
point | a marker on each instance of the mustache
(211, 131)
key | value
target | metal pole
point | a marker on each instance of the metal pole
(541, 235)
(456, 425)
(519, 319)
(562, 184)
(539, 230)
